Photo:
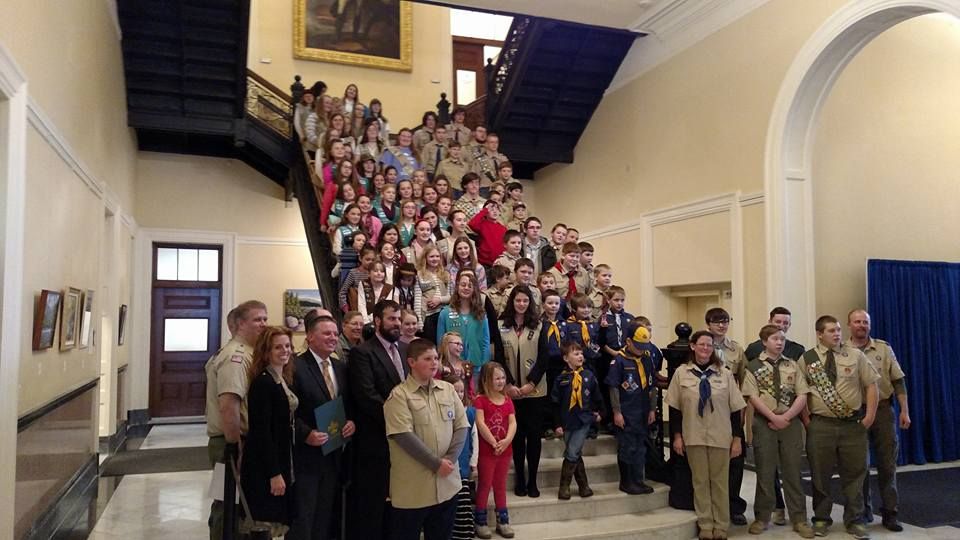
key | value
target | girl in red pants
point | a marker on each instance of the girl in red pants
(496, 426)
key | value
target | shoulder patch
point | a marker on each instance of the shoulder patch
(237, 358)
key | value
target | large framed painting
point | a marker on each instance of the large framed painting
(296, 304)
(369, 33)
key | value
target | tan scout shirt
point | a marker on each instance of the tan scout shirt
(854, 375)
(485, 165)
(453, 170)
(732, 355)
(459, 133)
(713, 428)
(227, 373)
(880, 354)
(428, 156)
(498, 298)
(520, 353)
(432, 413)
(789, 381)
(582, 279)
(420, 139)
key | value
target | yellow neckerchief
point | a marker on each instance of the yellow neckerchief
(554, 331)
(640, 369)
(584, 331)
(576, 389)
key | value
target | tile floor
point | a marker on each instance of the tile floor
(158, 506)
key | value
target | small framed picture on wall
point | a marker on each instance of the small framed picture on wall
(70, 318)
(45, 319)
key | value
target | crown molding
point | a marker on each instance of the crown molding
(672, 26)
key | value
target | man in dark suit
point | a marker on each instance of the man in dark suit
(319, 377)
(376, 366)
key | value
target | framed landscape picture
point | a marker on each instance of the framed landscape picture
(296, 304)
(70, 318)
(45, 319)
(369, 33)
(86, 320)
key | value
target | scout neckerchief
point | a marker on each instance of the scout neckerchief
(819, 373)
(625, 352)
(705, 390)
(576, 389)
(571, 279)
(391, 213)
(619, 324)
(407, 162)
(584, 330)
(554, 331)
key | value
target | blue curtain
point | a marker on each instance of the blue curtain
(915, 306)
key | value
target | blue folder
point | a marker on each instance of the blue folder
(331, 418)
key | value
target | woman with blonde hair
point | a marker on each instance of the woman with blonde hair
(266, 473)
(435, 287)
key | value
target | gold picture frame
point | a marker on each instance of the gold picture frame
(381, 36)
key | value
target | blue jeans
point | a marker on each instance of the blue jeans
(574, 443)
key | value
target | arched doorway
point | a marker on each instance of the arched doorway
(788, 155)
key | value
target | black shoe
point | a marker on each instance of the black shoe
(644, 489)
(532, 490)
(738, 519)
(891, 523)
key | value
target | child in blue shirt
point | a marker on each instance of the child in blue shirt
(463, 527)
(632, 382)
(577, 394)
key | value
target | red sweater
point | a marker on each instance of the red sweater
(489, 237)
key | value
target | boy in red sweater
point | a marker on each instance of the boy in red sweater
(489, 233)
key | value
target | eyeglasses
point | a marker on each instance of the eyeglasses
(721, 321)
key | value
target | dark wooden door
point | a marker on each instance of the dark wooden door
(185, 332)
(468, 59)
(184, 325)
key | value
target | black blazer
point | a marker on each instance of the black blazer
(311, 389)
(266, 452)
(372, 378)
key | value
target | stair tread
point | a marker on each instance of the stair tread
(555, 464)
(662, 518)
(601, 492)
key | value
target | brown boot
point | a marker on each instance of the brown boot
(566, 475)
(580, 473)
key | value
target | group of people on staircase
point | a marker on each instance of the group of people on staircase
(466, 338)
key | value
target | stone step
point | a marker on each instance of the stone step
(661, 524)
(607, 500)
(600, 470)
(603, 444)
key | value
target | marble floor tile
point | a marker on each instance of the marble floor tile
(175, 436)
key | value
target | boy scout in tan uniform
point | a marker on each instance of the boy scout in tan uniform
(882, 435)
(734, 359)
(778, 394)
(434, 152)
(426, 428)
(227, 374)
(838, 377)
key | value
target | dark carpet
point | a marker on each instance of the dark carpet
(926, 497)
(157, 460)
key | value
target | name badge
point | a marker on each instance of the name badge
(450, 414)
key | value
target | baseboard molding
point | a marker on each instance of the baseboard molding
(72, 513)
(110, 444)
(138, 417)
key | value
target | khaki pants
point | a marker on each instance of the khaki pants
(883, 439)
(710, 468)
(841, 444)
(784, 449)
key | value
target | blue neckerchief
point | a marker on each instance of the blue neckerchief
(704, 389)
